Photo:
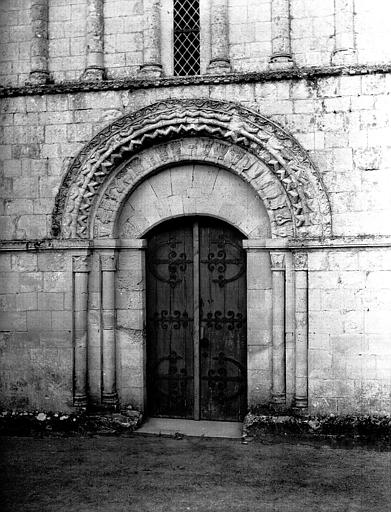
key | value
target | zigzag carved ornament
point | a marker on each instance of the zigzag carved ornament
(176, 119)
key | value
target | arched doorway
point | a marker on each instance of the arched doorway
(196, 320)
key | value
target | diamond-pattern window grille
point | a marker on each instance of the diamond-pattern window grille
(186, 37)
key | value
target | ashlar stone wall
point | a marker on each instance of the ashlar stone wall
(312, 28)
(342, 121)
(336, 103)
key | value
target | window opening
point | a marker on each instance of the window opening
(186, 37)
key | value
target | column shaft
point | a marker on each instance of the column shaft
(39, 50)
(301, 331)
(281, 38)
(219, 62)
(80, 328)
(344, 52)
(152, 66)
(94, 41)
(278, 283)
(109, 391)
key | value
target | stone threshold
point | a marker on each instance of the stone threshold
(295, 73)
(180, 427)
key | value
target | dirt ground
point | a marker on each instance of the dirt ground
(158, 474)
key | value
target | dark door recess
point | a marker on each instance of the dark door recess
(196, 321)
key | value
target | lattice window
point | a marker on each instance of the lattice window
(186, 37)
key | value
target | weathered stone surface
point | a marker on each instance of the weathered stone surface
(339, 115)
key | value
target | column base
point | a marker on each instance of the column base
(39, 78)
(279, 400)
(219, 67)
(300, 402)
(80, 400)
(93, 75)
(110, 400)
(281, 61)
(150, 71)
(344, 57)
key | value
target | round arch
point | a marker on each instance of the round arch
(220, 133)
(188, 190)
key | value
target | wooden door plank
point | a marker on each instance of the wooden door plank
(169, 322)
(196, 316)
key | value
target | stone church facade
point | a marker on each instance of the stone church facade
(195, 207)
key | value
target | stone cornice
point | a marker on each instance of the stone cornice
(335, 243)
(308, 73)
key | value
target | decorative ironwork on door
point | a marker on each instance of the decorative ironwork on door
(196, 329)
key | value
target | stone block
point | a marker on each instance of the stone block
(259, 357)
(30, 282)
(7, 227)
(7, 302)
(32, 226)
(13, 321)
(377, 322)
(5, 262)
(50, 301)
(374, 84)
(36, 103)
(130, 319)
(52, 261)
(26, 301)
(378, 279)
(19, 207)
(368, 159)
(38, 321)
(57, 281)
(319, 364)
(56, 134)
(24, 262)
(79, 132)
(61, 320)
(327, 322)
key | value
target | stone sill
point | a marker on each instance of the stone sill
(308, 73)
(73, 244)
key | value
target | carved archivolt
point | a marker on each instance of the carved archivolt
(252, 144)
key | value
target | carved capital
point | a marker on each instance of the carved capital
(108, 262)
(300, 260)
(81, 263)
(278, 261)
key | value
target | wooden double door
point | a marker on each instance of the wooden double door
(196, 321)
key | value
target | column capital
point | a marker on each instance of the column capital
(81, 263)
(277, 261)
(108, 262)
(300, 260)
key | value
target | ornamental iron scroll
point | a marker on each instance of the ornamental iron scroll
(219, 379)
(219, 261)
(168, 120)
(174, 262)
(175, 320)
(176, 377)
(231, 320)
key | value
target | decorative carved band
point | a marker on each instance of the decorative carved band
(214, 152)
(173, 119)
